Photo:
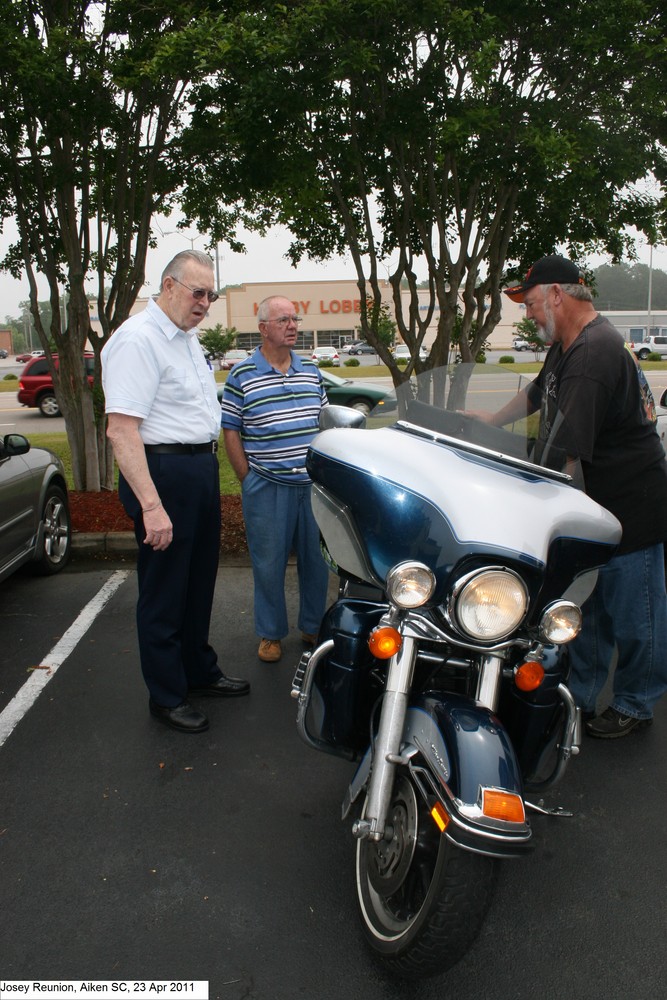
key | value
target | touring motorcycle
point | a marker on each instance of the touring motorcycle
(463, 552)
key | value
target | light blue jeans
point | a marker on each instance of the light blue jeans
(279, 519)
(627, 612)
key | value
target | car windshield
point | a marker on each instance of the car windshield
(448, 403)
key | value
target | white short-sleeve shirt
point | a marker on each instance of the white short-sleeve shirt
(154, 371)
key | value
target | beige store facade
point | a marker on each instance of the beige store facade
(330, 312)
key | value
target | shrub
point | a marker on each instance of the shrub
(9, 377)
(326, 363)
(352, 363)
(653, 356)
(506, 359)
(401, 361)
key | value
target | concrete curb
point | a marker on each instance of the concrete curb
(122, 545)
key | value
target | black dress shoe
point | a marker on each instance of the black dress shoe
(224, 687)
(184, 718)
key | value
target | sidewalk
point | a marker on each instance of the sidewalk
(122, 545)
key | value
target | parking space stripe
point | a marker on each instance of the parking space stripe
(26, 697)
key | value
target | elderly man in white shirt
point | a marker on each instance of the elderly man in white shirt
(164, 424)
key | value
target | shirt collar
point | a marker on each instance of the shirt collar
(263, 365)
(168, 328)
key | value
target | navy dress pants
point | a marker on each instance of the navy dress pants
(176, 586)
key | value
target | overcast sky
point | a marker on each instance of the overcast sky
(264, 261)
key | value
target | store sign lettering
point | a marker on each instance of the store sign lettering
(326, 308)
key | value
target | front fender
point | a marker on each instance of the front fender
(455, 748)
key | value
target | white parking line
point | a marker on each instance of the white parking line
(40, 677)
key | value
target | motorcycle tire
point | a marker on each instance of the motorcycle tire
(422, 899)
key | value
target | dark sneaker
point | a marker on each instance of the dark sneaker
(612, 724)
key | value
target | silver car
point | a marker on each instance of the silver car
(35, 525)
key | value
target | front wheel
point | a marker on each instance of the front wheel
(56, 535)
(422, 899)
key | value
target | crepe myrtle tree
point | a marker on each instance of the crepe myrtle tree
(453, 138)
(85, 131)
(217, 340)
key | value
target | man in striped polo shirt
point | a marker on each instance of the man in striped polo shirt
(270, 412)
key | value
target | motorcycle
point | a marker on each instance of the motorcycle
(463, 552)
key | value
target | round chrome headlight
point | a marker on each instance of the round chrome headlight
(561, 622)
(410, 584)
(490, 604)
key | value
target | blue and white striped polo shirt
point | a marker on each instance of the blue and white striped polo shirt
(276, 414)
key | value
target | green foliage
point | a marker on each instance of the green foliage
(626, 286)
(352, 363)
(9, 377)
(506, 359)
(217, 340)
(465, 136)
(325, 363)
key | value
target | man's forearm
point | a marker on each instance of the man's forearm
(236, 453)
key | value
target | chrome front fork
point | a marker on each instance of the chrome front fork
(387, 744)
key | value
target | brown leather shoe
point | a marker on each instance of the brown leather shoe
(270, 650)
(310, 638)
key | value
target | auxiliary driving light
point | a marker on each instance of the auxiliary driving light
(561, 622)
(410, 584)
(384, 642)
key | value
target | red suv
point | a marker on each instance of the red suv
(36, 384)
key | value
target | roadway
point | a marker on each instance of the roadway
(128, 851)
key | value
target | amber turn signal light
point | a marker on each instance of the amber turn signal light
(384, 642)
(503, 805)
(529, 675)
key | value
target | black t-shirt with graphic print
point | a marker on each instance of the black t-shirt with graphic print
(594, 384)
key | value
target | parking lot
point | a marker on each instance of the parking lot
(129, 851)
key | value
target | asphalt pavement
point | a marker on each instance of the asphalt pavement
(129, 851)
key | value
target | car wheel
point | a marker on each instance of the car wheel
(48, 405)
(362, 405)
(56, 537)
(642, 355)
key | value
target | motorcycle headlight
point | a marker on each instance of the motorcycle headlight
(490, 604)
(561, 622)
(410, 584)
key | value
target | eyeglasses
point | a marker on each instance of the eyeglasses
(197, 293)
(284, 320)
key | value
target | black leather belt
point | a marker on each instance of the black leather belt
(182, 449)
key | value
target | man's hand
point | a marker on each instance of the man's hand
(159, 529)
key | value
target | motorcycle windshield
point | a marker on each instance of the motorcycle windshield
(433, 480)
(463, 405)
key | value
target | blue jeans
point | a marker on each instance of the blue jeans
(278, 519)
(627, 612)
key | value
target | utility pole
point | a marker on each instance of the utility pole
(649, 318)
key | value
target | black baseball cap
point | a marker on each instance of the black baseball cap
(547, 271)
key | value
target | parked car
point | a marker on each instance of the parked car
(22, 358)
(3, 353)
(36, 385)
(362, 347)
(520, 344)
(326, 354)
(35, 525)
(654, 345)
(360, 395)
(403, 351)
(231, 358)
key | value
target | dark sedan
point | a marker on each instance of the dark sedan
(362, 396)
(363, 348)
(35, 524)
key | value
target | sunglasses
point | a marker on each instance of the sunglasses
(197, 293)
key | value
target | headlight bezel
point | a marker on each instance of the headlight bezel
(547, 624)
(482, 576)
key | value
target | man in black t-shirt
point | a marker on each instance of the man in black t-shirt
(591, 378)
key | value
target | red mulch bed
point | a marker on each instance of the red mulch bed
(103, 512)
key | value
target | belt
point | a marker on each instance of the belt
(210, 447)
